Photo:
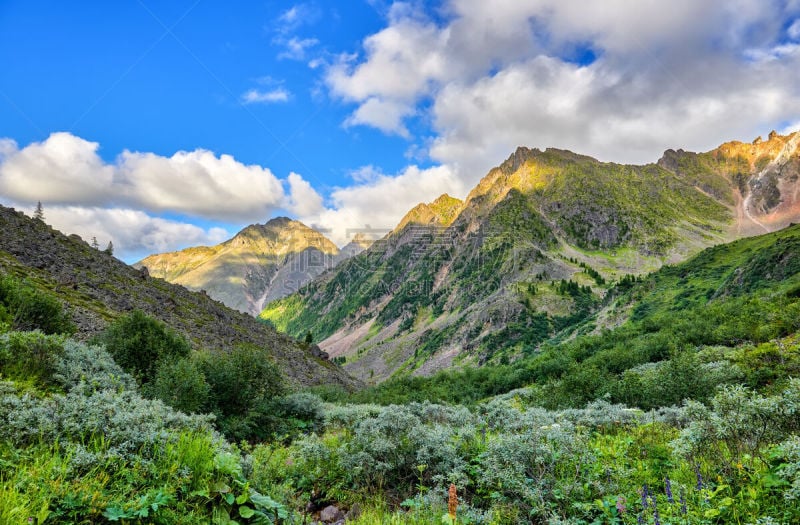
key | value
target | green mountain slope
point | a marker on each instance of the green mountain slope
(729, 315)
(260, 263)
(531, 254)
(99, 288)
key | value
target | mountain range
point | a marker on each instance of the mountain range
(530, 255)
(261, 263)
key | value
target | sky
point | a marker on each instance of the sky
(163, 125)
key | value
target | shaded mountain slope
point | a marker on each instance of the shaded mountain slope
(99, 288)
(530, 254)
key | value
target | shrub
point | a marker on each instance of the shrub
(26, 308)
(30, 356)
(138, 343)
(242, 383)
(180, 384)
(89, 368)
(296, 414)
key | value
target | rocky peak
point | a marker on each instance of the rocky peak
(440, 212)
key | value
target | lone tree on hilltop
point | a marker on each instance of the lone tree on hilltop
(95, 244)
(38, 213)
(110, 248)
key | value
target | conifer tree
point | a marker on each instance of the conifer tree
(110, 248)
(95, 244)
(38, 214)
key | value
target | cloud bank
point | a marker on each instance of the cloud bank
(120, 201)
(132, 201)
(616, 79)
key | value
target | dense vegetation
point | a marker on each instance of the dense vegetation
(689, 412)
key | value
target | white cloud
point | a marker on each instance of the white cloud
(200, 183)
(63, 169)
(794, 30)
(256, 96)
(380, 203)
(494, 75)
(386, 115)
(296, 48)
(303, 200)
(85, 195)
(134, 233)
(297, 16)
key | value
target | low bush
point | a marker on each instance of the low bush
(139, 343)
(26, 308)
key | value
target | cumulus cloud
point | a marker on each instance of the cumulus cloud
(121, 200)
(794, 30)
(134, 233)
(494, 75)
(296, 48)
(381, 201)
(200, 183)
(66, 170)
(256, 96)
(386, 115)
(63, 169)
(303, 200)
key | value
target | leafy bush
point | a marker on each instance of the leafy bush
(138, 343)
(242, 382)
(30, 356)
(25, 308)
(180, 384)
(88, 369)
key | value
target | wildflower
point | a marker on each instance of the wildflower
(645, 494)
(656, 517)
(699, 476)
(621, 505)
(683, 502)
(640, 519)
(452, 502)
(668, 489)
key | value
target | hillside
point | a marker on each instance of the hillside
(531, 253)
(261, 263)
(99, 288)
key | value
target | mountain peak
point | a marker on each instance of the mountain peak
(440, 212)
(253, 265)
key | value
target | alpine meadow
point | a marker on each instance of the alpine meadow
(389, 262)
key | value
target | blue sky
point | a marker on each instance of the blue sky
(160, 125)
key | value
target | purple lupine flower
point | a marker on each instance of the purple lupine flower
(699, 477)
(640, 519)
(668, 489)
(621, 505)
(656, 517)
(683, 502)
(645, 496)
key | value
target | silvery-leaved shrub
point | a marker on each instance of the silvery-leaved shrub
(789, 470)
(89, 368)
(744, 420)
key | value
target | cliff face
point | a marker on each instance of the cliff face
(99, 288)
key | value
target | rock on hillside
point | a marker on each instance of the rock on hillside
(99, 288)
